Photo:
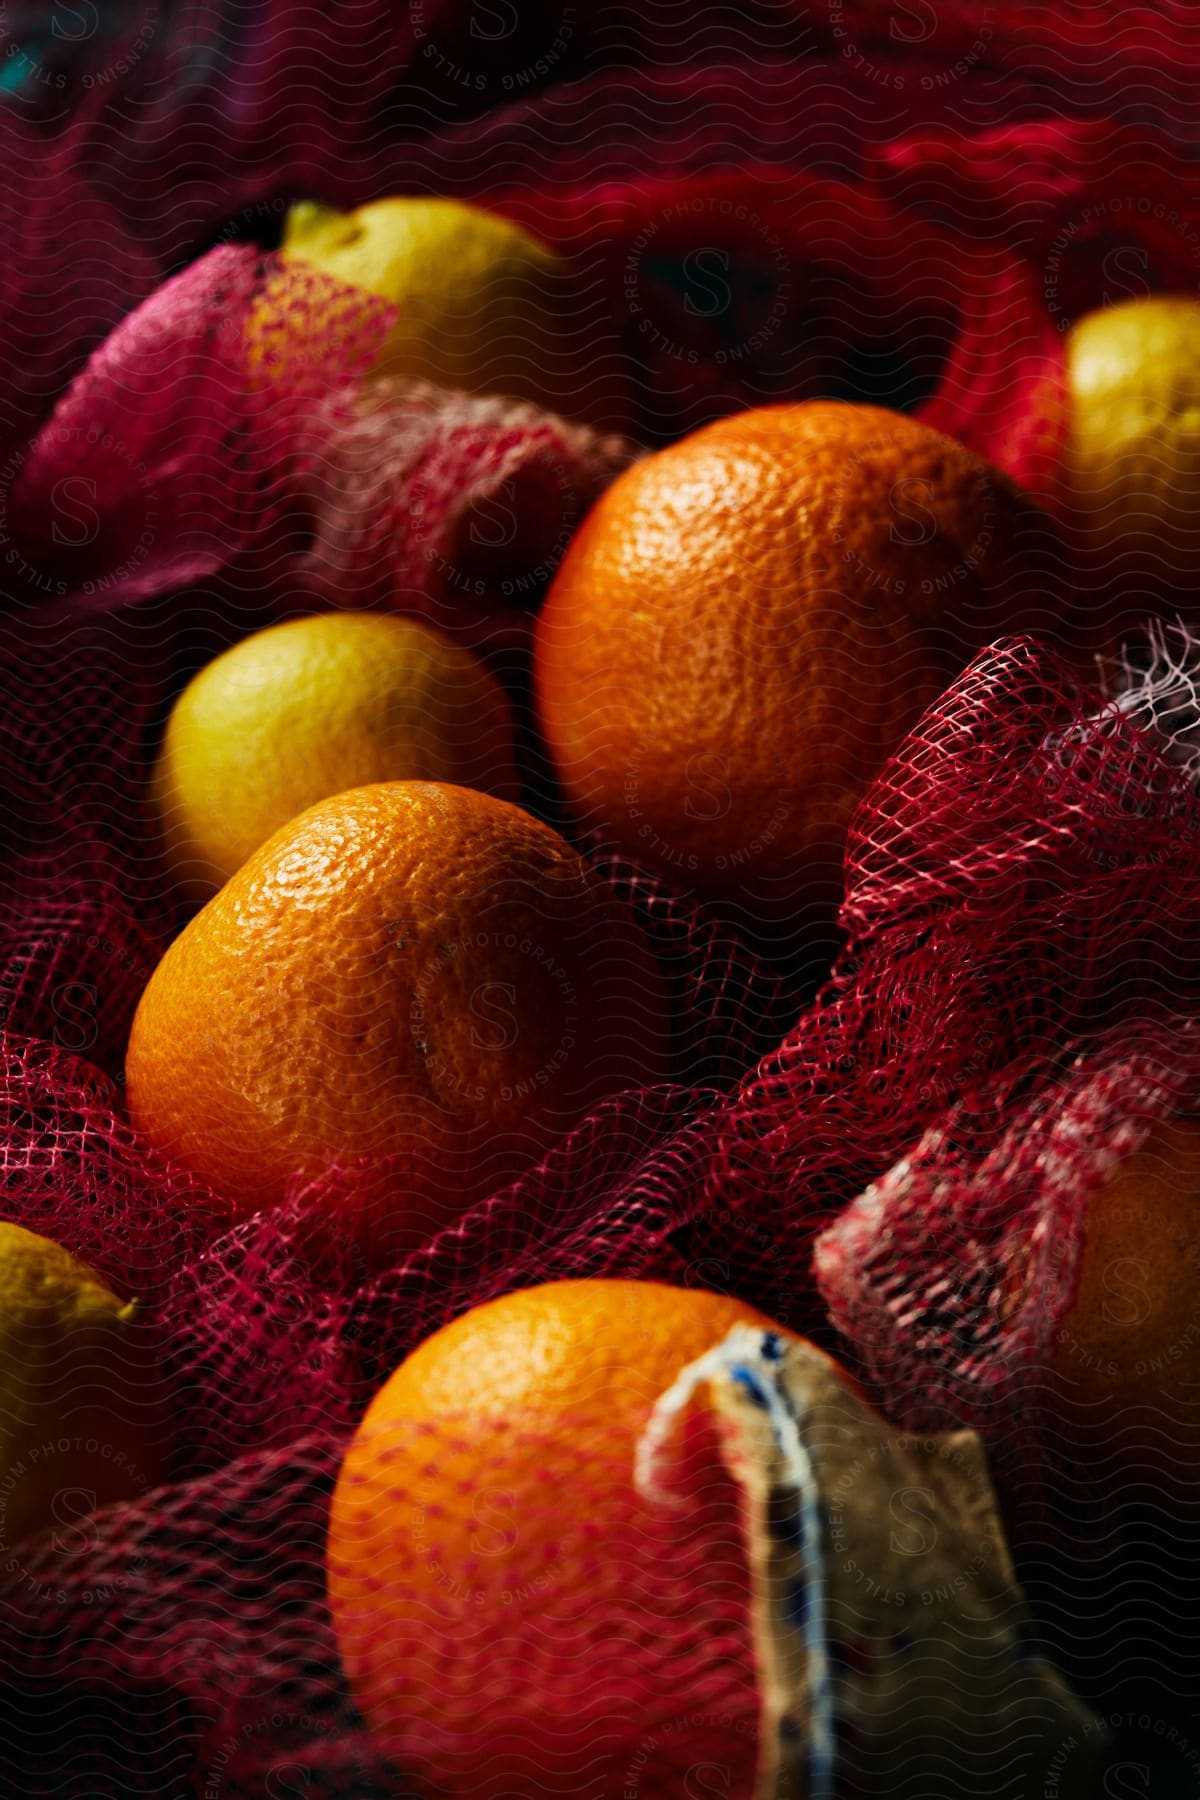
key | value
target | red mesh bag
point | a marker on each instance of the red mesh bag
(446, 506)
(274, 1358)
(209, 1596)
(184, 1637)
(1019, 882)
(171, 448)
(242, 1688)
(1020, 886)
(953, 1274)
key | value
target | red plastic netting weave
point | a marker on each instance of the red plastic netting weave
(1019, 886)
(185, 1636)
(194, 1622)
(1014, 1003)
(980, 944)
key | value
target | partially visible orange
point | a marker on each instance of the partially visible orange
(1129, 1349)
(411, 971)
(503, 1596)
(748, 622)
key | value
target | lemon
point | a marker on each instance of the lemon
(483, 305)
(80, 1400)
(1132, 459)
(305, 710)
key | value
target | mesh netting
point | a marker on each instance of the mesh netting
(177, 441)
(1020, 883)
(1025, 849)
(238, 1689)
(451, 507)
(1013, 1008)
(185, 1637)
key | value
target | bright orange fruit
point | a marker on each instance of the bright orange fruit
(747, 623)
(500, 1589)
(413, 971)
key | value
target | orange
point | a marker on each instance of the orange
(1129, 1349)
(504, 1598)
(411, 971)
(747, 624)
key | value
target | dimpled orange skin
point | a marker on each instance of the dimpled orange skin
(748, 622)
(479, 1538)
(1129, 1349)
(412, 970)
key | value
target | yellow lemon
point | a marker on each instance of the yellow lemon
(483, 305)
(1132, 460)
(305, 710)
(81, 1400)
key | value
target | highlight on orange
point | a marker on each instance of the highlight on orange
(506, 1601)
(747, 624)
(414, 981)
(1127, 1354)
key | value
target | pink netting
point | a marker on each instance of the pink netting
(447, 506)
(237, 1690)
(1013, 1007)
(190, 1629)
(175, 445)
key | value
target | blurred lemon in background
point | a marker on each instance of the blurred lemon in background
(484, 306)
(1132, 457)
(310, 708)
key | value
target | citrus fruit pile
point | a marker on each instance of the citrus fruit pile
(417, 891)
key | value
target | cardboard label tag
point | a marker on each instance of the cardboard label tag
(894, 1644)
